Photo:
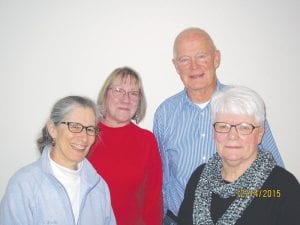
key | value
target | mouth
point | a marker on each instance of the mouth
(78, 147)
(196, 76)
(233, 147)
(124, 109)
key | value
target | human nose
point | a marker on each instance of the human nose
(233, 133)
(83, 134)
(126, 97)
(194, 63)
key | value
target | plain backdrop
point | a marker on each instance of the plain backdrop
(50, 49)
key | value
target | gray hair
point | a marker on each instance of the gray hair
(238, 100)
(124, 73)
(59, 111)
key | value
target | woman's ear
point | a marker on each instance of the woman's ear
(261, 131)
(52, 130)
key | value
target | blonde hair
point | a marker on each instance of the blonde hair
(124, 73)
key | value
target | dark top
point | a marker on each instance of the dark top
(277, 202)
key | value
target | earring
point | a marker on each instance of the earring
(53, 142)
(136, 118)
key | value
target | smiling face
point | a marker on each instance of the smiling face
(236, 149)
(71, 148)
(196, 61)
(120, 109)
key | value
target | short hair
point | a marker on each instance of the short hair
(59, 111)
(124, 73)
(193, 31)
(238, 100)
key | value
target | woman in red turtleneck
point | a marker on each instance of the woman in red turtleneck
(126, 155)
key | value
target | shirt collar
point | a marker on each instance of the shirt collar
(187, 101)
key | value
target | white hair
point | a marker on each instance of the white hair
(238, 100)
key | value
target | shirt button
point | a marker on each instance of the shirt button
(203, 135)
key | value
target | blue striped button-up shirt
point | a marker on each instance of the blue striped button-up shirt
(185, 137)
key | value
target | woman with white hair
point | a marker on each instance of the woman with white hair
(240, 184)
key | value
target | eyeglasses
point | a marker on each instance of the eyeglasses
(120, 92)
(184, 61)
(241, 128)
(77, 128)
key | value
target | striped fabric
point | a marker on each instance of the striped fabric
(185, 137)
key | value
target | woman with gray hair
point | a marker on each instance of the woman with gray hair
(61, 187)
(126, 155)
(240, 184)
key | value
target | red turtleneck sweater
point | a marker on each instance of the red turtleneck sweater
(129, 161)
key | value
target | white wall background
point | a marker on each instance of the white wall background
(49, 49)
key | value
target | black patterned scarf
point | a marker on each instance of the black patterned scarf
(211, 182)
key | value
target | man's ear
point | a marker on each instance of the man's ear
(217, 59)
(52, 130)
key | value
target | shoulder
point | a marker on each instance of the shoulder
(27, 173)
(142, 132)
(198, 171)
(283, 177)
(171, 102)
(194, 178)
(283, 180)
(28, 178)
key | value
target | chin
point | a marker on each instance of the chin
(232, 158)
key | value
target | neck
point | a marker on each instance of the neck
(231, 174)
(202, 95)
(57, 160)
(231, 171)
(111, 123)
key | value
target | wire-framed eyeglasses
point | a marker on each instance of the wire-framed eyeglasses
(120, 92)
(78, 127)
(241, 128)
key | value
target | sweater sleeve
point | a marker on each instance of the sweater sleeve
(15, 207)
(290, 205)
(158, 127)
(152, 211)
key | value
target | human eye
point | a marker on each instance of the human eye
(76, 127)
(244, 128)
(118, 91)
(184, 60)
(134, 94)
(91, 130)
(201, 57)
(222, 127)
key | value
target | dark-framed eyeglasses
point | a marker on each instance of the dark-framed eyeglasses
(241, 128)
(78, 127)
(120, 92)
